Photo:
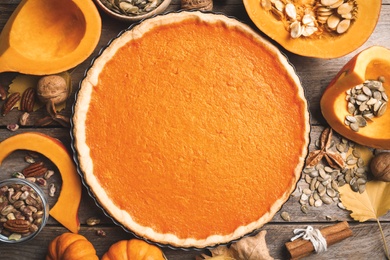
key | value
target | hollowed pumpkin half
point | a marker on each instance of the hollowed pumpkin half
(327, 46)
(368, 64)
(46, 37)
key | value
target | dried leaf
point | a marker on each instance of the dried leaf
(22, 82)
(252, 248)
(248, 248)
(371, 204)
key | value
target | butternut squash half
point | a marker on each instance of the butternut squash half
(327, 45)
(47, 37)
(66, 208)
(369, 64)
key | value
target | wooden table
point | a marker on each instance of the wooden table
(315, 75)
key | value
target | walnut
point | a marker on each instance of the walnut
(52, 88)
(380, 166)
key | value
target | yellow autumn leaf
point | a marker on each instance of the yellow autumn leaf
(371, 204)
(22, 82)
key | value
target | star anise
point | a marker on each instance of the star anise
(334, 159)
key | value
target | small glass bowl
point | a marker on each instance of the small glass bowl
(131, 18)
(23, 198)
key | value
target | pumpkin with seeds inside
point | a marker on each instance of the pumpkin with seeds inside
(316, 28)
(355, 102)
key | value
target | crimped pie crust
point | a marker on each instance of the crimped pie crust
(98, 178)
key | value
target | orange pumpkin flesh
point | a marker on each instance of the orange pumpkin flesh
(47, 37)
(369, 64)
(319, 47)
(65, 210)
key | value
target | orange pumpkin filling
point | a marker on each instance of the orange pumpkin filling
(195, 130)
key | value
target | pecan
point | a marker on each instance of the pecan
(23, 118)
(13, 127)
(34, 170)
(10, 103)
(20, 226)
(45, 121)
(62, 120)
(28, 100)
(3, 92)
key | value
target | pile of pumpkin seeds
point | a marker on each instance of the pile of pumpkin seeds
(322, 181)
(303, 19)
(131, 7)
(365, 101)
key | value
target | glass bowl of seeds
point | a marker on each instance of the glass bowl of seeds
(132, 10)
(24, 210)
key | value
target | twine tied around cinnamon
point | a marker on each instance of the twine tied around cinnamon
(302, 246)
(314, 236)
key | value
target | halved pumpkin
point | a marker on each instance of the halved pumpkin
(371, 63)
(47, 37)
(326, 46)
(66, 208)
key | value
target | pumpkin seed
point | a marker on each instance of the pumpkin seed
(327, 200)
(331, 192)
(279, 5)
(333, 21)
(361, 121)
(382, 109)
(337, 4)
(291, 12)
(311, 200)
(285, 216)
(296, 29)
(135, 7)
(343, 26)
(266, 4)
(318, 203)
(354, 127)
(314, 174)
(329, 2)
(340, 205)
(360, 162)
(362, 188)
(344, 8)
(304, 197)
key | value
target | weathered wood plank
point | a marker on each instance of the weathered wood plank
(315, 74)
(365, 243)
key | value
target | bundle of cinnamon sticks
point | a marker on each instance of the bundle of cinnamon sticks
(300, 248)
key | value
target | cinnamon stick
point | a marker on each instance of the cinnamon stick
(300, 248)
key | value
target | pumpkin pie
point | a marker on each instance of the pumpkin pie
(190, 129)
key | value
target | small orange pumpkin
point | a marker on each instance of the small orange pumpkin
(133, 249)
(70, 246)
